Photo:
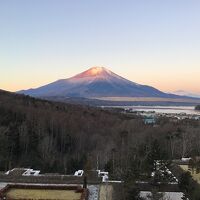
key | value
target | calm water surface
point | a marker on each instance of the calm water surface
(166, 109)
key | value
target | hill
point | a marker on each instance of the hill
(54, 137)
(60, 137)
(126, 101)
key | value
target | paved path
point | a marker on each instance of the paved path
(2, 185)
(93, 192)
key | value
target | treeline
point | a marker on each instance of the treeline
(197, 107)
(58, 137)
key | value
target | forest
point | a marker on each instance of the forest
(60, 137)
(197, 107)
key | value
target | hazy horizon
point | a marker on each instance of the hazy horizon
(153, 43)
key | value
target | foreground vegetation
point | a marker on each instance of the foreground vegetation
(58, 137)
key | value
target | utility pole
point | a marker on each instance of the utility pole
(97, 162)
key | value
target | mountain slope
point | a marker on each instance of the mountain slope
(96, 82)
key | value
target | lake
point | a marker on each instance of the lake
(166, 109)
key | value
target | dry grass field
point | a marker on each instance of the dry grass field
(195, 175)
(106, 192)
(149, 99)
(36, 194)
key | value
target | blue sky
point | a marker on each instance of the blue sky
(151, 42)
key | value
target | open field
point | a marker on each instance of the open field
(106, 192)
(149, 99)
(195, 175)
(37, 194)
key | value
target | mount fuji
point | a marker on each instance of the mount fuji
(94, 83)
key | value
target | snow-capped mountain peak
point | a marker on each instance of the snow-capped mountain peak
(93, 72)
(95, 82)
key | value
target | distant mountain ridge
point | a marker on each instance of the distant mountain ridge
(94, 83)
(186, 93)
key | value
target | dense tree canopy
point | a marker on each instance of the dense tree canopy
(59, 137)
(197, 107)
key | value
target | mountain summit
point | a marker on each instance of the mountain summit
(94, 71)
(95, 82)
